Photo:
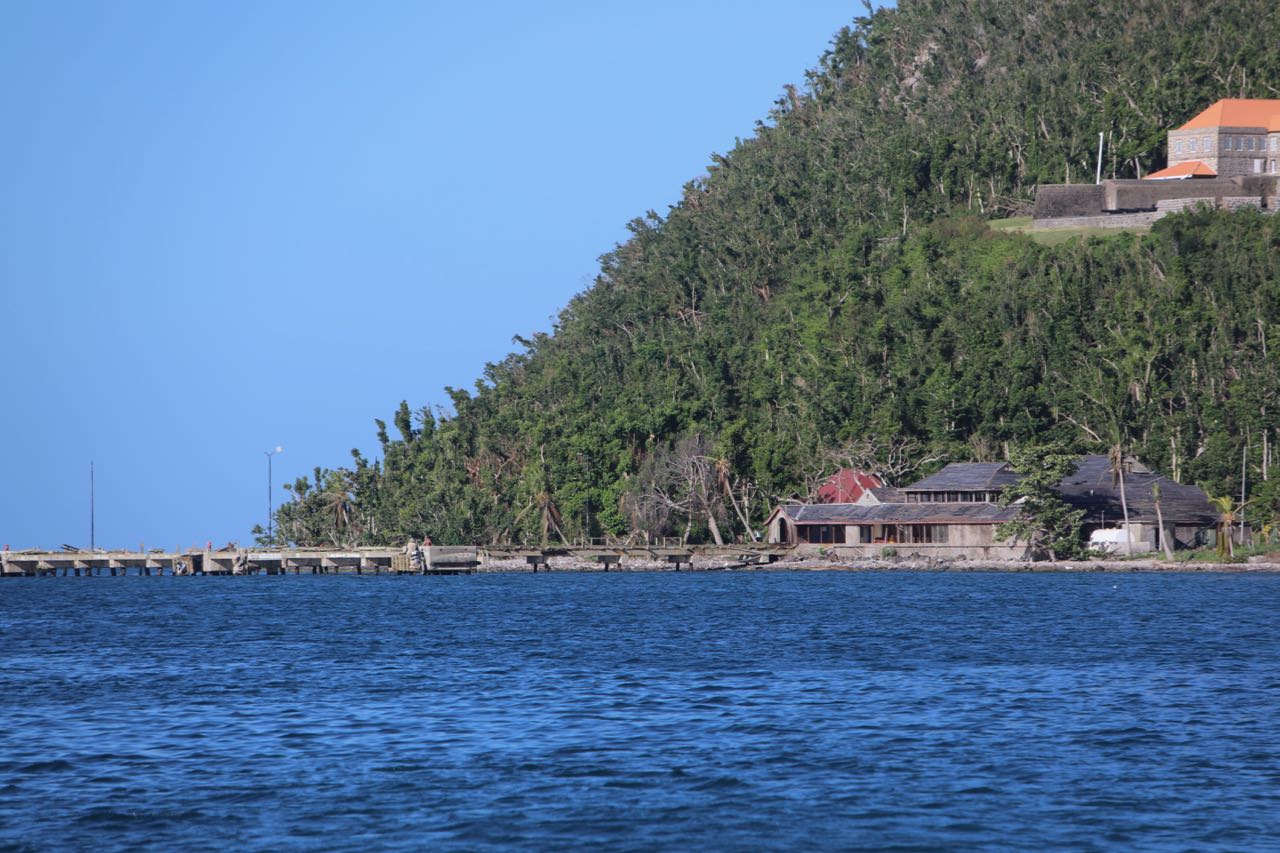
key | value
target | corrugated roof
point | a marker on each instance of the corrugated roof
(967, 477)
(1239, 112)
(898, 513)
(1187, 169)
(846, 486)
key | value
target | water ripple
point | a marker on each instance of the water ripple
(634, 712)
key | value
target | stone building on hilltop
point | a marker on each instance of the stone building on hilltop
(1226, 157)
(1234, 137)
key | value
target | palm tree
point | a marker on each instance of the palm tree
(549, 512)
(1227, 511)
(337, 500)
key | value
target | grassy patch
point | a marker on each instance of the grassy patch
(1054, 236)
(1014, 223)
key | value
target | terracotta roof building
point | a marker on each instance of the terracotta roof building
(1233, 137)
(1227, 158)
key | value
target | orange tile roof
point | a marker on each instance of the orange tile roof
(1187, 169)
(1239, 112)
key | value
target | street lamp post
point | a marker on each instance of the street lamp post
(270, 505)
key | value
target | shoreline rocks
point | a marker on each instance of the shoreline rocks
(891, 564)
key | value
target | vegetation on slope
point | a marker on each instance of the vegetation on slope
(829, 291)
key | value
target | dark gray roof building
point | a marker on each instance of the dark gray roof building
(967, 477)
(1094, 489)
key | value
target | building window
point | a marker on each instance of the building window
(1208, 144)
(1193, 146)
(821, 534)
(1257, 166)
(1177, 147)
(1248, 143)
(923, 534)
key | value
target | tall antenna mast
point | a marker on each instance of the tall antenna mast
(92, 514)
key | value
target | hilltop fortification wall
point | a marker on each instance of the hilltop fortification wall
(1124, 204)
(1068, 200)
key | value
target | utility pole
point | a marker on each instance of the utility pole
(1098, 178)
(92, 511)
(270, 505)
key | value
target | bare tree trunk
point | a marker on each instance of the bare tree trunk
(746, 525)
(1164, 540)
(1124, 507)
(1244, 475)
(1266, 450)
(715, 528)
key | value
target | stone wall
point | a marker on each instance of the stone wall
(939, 552)
(1068, 200)
(1176, 205)
(1133, 203)
(1102, 220)
(1145, 195)
(1240, 202)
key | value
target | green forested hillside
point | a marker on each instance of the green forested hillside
(829, 292)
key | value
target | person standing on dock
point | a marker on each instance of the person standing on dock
(415, 554)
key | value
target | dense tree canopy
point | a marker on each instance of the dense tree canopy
(832, 279)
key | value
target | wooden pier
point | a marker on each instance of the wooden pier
(438, 560)
(314, 561)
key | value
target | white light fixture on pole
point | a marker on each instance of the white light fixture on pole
(270, 505)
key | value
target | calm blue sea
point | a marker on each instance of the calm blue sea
(720, 711)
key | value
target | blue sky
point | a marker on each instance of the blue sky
(232, 225)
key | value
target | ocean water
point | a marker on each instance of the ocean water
(691, 711)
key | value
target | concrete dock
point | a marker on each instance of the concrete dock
(438, 560)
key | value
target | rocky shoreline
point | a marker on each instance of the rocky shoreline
(893, 564)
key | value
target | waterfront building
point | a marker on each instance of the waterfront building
(954, 513)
